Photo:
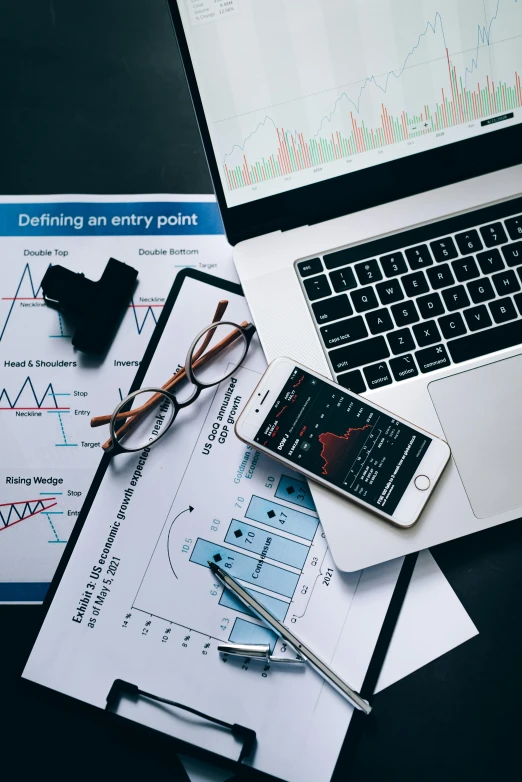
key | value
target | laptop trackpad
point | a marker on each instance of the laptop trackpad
(481, 414)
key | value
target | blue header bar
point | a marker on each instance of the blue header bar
(146, 218)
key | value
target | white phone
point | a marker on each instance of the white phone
(343, 441)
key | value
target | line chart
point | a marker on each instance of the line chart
(336, 448)
(12, 513)
(31, 395)
(27, 401)
(34, 290)
(149, 310)
(458, 88)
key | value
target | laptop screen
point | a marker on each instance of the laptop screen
(299, 91)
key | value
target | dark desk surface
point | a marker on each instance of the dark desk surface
(94, 100)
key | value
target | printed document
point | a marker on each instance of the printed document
(138, 602)
(48, 390)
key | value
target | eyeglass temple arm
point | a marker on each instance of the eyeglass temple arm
(220, 311)
(101, 420)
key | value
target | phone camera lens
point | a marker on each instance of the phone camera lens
(257, 411)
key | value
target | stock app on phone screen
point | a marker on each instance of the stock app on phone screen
(337, 436)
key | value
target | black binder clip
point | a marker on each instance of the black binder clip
(122, 688)
(94, 308)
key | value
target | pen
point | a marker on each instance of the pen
(302, 650)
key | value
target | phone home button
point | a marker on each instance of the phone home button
(422, 482)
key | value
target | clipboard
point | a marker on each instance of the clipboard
(164, 741)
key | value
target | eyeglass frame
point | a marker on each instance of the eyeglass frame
(115, 447)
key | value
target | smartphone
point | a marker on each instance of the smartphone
(345, 442)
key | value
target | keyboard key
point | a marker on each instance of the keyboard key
(475, 345)
(432, 358)
(493, 234)
(503, 310)
(389, 291)
(455, 298)
(418, 257)
(490, 261)
(403, 367)
(518, 301)
(377, 375)
(405, 313)
(364, 299)
(358, 354)
(444, 249)
(465, 269)
(512, 253)
(379, 321)
(477, 318)
(426, 333)
(441, 277)
(506, 282)
(306, 268)
(344, 331)
(343, 280)
(317, 287)
(353, 381)
(332, 309)
(415, 284)
(368, 271)
(468, 242)
(452, 325)
(480, 290)
(401, 341)
(393, 264)
(430, 306)
(342, 257)
(514, 227)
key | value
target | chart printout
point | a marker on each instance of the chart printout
(298, 91)
(138, 601)
(48, 390)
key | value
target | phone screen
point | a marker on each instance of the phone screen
(344, 440)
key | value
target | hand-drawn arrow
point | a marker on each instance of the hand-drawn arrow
(189, 509)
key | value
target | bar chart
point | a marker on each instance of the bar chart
(266, 534)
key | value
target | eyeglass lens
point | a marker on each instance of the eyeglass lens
(211, 367)
(149, 426)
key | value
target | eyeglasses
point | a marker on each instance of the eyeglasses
(145, 416)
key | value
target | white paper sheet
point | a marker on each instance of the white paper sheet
(48, 390)
(154, 615)
(432, 621)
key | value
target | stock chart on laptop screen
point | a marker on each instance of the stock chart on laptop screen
(299, 91)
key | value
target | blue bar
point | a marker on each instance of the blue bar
(279, 516)
(295, 491)
(245, 632)
(32, 592)
(277, 608)
(253, 571)
(147, 218)
(258, 541)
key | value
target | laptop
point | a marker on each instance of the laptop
(367, 161)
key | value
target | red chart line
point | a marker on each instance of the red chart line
(24, 502)
(42, 510)
(346, 437)
(35, 408)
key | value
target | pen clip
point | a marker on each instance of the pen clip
(257, 652)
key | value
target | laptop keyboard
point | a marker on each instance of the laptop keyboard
(419, 300)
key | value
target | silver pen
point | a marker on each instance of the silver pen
(302, 650)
